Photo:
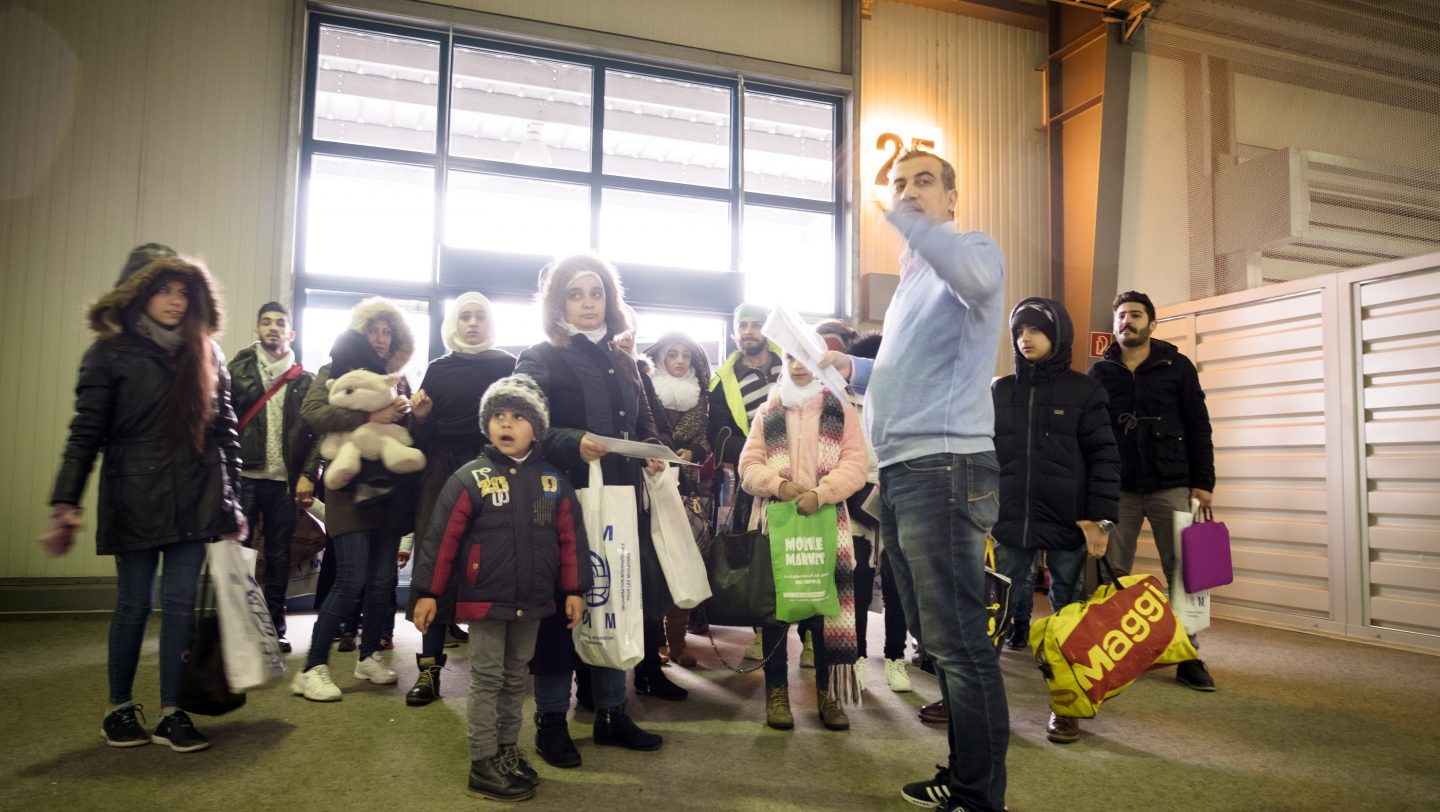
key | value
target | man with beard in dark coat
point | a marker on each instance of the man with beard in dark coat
(273, 446)
(1166, 456)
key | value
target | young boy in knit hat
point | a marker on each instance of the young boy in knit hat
(506, 537)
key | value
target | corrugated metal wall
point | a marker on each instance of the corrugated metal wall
(976, 82)
(1324, 397)
(120, 123)
(794, 32)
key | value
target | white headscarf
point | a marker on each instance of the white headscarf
(450, 329)
(792, 395)
(598, 334)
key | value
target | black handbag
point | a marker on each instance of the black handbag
(204, 689)
(742, 582)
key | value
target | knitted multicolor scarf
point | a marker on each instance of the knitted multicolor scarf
(841, 647)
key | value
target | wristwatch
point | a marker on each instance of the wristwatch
(1106, 526)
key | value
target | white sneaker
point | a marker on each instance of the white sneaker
(372, 669)
(807, 654)
(860, 673)
(315, 685)
(756, 650)
(897, 676)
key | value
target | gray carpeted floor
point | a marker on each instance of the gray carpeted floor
(1300, 723)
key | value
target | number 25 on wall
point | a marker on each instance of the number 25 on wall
(896, 144)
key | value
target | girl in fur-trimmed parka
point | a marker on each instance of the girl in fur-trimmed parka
(680, 376)
(363, 520)
(153, 394)
(805, 445)
(594, 391)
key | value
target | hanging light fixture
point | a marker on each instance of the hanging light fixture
(532, 150)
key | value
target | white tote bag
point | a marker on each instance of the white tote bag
(1192, 608)
(247, 634)
(612, 631)
(674, 540)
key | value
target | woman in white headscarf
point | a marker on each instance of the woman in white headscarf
(447, 429)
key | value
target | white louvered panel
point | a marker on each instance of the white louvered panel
(1400, 359)
(1261, 364)
(975, 81)
(145, 120)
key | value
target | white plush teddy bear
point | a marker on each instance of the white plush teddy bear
(365, 391)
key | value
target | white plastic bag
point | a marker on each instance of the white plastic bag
(247, 634)
(674, 540)
(1192, 608)
(612, 631)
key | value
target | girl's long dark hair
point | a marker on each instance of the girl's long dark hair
(192, 400)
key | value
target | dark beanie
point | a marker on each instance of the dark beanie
(142, 256)
(1035, 313)
(521, 395)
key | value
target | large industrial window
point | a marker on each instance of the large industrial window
(435, 163)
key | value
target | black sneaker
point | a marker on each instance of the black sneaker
(347, 640)
(178, 732)
(285, 647)
(121, 730)
(1192, 674)
(931, 794)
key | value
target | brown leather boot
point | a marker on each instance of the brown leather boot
(676, 621)
(831, 714)
(777, 709)
(1062, 729)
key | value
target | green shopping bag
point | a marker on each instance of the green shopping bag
(802, 556)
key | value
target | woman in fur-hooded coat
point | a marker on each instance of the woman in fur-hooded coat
(364, 520)
(153, 394)
(594, 391)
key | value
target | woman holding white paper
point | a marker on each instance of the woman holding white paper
(595, 392)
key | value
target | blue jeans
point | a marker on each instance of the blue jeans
(937, 509)
(777, 668)
(363, 560)
(135, 578)
(1066, 576)
(552, 691)
(272, 500)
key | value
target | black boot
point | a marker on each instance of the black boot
(614, 726)
(427, 686)
(1020, 636)
(455, 635)
(552, 741)
(517, 765)
(490, 778)
(650, 680)
(583, 693)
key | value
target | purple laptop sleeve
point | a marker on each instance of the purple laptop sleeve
(1205, 554)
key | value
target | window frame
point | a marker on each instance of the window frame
(512, 276)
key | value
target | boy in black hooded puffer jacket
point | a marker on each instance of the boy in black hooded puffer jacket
(1059, 466)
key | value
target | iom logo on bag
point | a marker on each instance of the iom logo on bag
(599, 593)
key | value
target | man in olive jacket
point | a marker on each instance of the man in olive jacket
(1166, 456)
(274, 446)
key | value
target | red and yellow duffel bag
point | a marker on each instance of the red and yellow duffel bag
(1091, 651)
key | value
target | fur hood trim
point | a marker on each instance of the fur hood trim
(556, 278)
(112, 313)
(402, 341)
(698, 361)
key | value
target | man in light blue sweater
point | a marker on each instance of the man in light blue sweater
(932, 422)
